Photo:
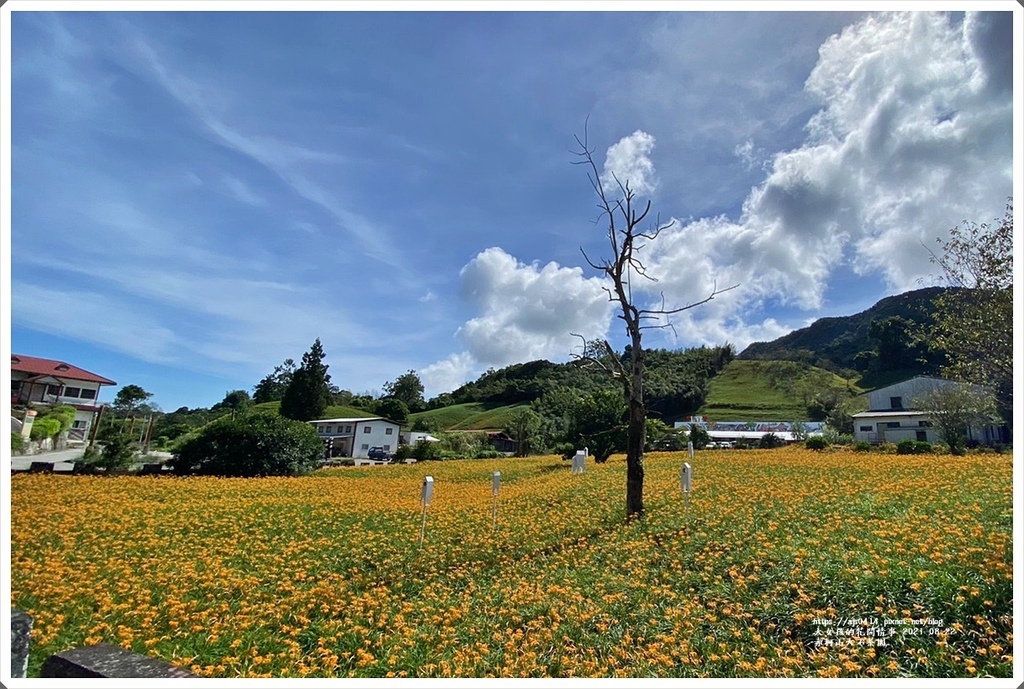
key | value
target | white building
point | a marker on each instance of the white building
(353, 437)
(895, 414)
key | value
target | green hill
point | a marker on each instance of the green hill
(471, 416)
(836, 342)
(332, 412)
(769, 391)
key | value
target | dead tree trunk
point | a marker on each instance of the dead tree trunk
(625, 237)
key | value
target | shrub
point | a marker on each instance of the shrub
(65, 414)
(913, 447)
(770, 441)
(115, 451)
(403, 453)
(17, 443)
(44, 427)
(565, 450)
(817, 443)
(250, 445)
(425, 450)
(886, 448)
(862, 446)
(484, 453)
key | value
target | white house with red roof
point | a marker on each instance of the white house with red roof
(46, 381)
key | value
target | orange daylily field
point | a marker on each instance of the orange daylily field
(784, 563)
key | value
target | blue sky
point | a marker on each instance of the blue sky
(197, 196)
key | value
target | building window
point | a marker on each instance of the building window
(53, 390)
(328, 429)
(15, 386)
(389, 430)
(365, 446)
(866, 429)
(896, 403)
(88, 394)
(922, 435)
(320, 430)
(924, 424)
(72, 392)
(78, 424)
(348, 429)
(892, 424)
(387, 448)
(367, 429)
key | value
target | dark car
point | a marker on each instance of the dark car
(378, 453)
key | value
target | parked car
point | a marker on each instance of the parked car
(379, 453)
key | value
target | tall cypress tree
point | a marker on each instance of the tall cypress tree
(309, 394)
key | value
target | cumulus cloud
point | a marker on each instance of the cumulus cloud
(526, 312)
(913, 136)
(628, 160)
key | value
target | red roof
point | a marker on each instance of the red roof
(48, 367)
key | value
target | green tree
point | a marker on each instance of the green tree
(974, 320)
(308, 395)
(129, 400)
(523, 427)
(624, 216)
(275, 384)
(409, 389)
(955, 409)
(251, 445)
(392, 408)
(236, 401)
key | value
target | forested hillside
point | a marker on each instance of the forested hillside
(887, 337)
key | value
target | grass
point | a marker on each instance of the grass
(336, 411)
(471, 416)
(322, 576)
(766, 391)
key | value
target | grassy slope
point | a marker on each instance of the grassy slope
(448, 417)
(332, 412)
(746, 391)
(489, 420)
(472, 416)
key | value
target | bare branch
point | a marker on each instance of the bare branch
(667, 312)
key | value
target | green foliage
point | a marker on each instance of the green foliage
(309, 394)
(817, 443)
(409, 389)
(44, 427)
(524, 427)
(770, 441)
(251, 445)
(845, 342)
(274, 385)
(862, 446)
(699, 437)
(954, 409)
(392, 408)
(974, 321)
(425, 450)
(65, 414)
(17, 443)
(235, 401)
(908, 446)
(129, 399)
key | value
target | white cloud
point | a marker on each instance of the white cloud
(628, 161)
(908, 142)
(448, 374)
(526, 312)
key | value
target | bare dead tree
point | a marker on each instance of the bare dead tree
(624, 215)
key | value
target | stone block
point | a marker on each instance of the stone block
(21, 631)
(104, 660)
